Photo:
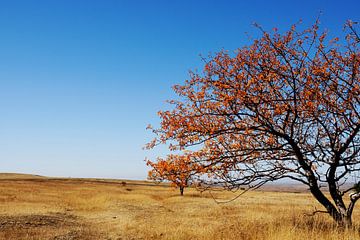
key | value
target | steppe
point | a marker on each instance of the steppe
(36, 207)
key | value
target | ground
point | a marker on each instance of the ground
(35, 207)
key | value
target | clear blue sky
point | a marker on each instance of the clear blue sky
(80, 80)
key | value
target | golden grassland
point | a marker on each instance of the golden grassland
(61, 209)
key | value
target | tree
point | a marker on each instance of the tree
(285, 107)
(177, 169)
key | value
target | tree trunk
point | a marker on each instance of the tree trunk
(181, 190)
(343, 221)
(347, 221)
(342, 217)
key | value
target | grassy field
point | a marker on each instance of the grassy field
(61, 209)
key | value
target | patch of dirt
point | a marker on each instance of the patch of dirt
(72, 235)
(35, 221)
(58, 226)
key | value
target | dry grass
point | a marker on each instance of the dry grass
(95, 209)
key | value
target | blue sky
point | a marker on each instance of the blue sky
(80, 80)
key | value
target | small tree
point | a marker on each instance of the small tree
(287, 106)
(177, 169)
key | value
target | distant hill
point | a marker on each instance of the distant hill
(20, 176)
(270, 187)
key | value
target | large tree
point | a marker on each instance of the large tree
(285, 107)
